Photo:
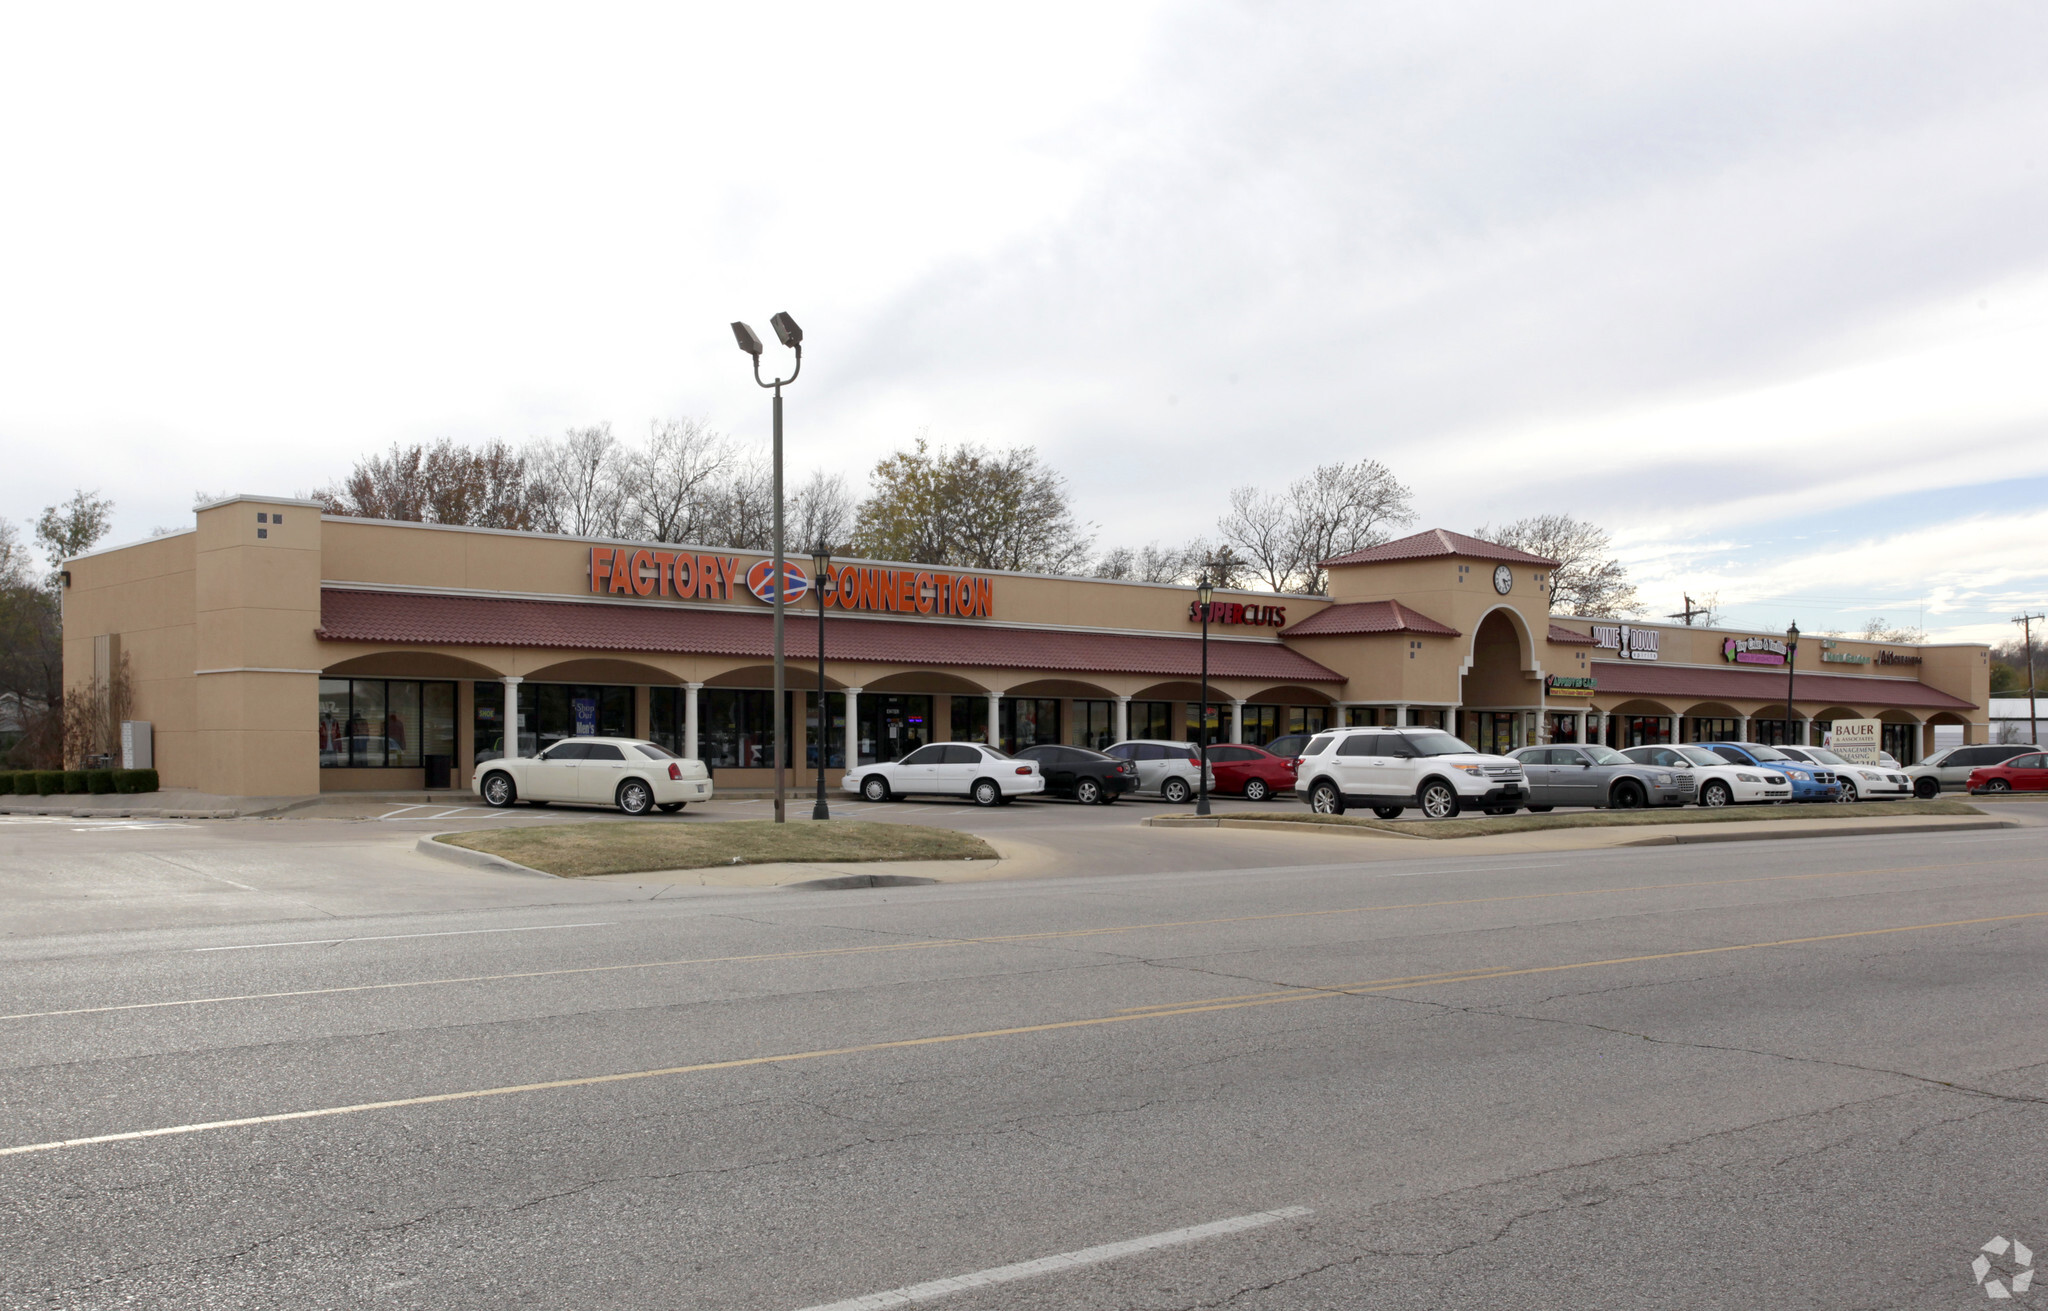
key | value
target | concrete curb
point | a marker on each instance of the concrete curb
(1271, 825)
(856, 881)
(1852, 831)
(427, 846)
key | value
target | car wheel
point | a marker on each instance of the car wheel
(1998, 785)
(1628, 795)
(1716, 794)
(498, 790)
(1927, 789)
(1325, 799)
(1388, 812)
(1256, 790)
(1848, 792)
(1439, 800)
(1088, 792)
(635, 797)
(875, 788)
(1541, 810)
(671, 807)
(986, 793)
(1176, 790)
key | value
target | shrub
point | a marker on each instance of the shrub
(6, 782)
(74, 782)
(135, 780)
(99, 782)
(49, 782)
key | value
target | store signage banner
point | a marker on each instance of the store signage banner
(1754, 650)
(586, 716)
(1856, 740)
(1629, 642)
(1561, 685)
(631, 571)
(1232, 612)
(1829, 655)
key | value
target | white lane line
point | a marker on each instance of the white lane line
(394, 937)
(400, 811)
(1051, 1265)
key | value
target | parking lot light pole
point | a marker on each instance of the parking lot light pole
(791, 336)
(1791, 659)
(1203, 591)
(821, 569)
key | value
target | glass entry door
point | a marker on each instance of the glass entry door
(892, 725)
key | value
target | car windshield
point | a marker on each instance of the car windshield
(1700, 756)
(1823, 756)
(1769, 753)
(1437, 744)
(1606, 755)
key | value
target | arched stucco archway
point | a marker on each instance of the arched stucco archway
(1500, 683)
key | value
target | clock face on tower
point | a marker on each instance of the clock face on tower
(1503, 580)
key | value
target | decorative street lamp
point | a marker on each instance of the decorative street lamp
(821, 570)
(1204, 589)
(1791, 658)
(791, 336)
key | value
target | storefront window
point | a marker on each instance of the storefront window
(1493, 730)
(969, 718)
(1715, 730)
(893, 726)
(1564, 728)
(378, 723)
(1152, 719)
(667, 713)
(1770, 732)
(1094, 724)
(834, 739)
(1030, 721)
(1644, 731)
(737, 727)
(1219, 722)
(1308, 719)
(1901, 742)
(549, 712)
(1262, 723)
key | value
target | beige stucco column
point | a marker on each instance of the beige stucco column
(1236, 720)
(643, 711)
(465, 728)
(690, 751)
(852, 727)
(511, 682)
(995, 720)
(1123, 719)
(1745, 728)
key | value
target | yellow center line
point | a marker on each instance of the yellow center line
(927, 944)
(1053, 1026)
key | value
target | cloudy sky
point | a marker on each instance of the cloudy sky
(1761, 288)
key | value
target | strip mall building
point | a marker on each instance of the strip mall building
(277, 650)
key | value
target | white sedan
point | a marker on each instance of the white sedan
(633, 775)
(949, 769)
(1859, 782)
(1719, 783)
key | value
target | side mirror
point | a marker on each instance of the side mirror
(1585, 763)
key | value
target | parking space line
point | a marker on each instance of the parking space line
(1063, 1261)
(400, 811)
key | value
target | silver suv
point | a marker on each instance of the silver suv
(1600, 776)
(1391, 769)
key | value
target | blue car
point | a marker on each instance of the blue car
(1809, 782)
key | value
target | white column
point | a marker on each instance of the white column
(1123, 719)
(1236, 720)
(995, 720)
(1401, 716)
(1745, 728)
(511, 682)
(852, 727)
(690, 751)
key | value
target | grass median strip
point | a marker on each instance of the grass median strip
(576, 850)
(1476, 828)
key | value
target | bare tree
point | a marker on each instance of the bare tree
(1153, 563)
(1587, 580)
(819, 511)
(579, 477)
(1336, 509)
(481, 487)
(71, 528)
(1877, 630)
(671, 483)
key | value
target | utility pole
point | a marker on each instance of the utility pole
(2026, 623)
(1689, 611)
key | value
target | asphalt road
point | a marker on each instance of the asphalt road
(1776, 1074)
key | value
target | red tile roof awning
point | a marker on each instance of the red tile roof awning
(1367, 617)
(1435, 542)
(1642, 678)
(1570, 636)
(361, 616)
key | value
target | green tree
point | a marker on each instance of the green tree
(971, 508)
(31, 622)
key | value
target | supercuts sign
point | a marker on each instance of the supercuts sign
(682, 575)
(1231, 612)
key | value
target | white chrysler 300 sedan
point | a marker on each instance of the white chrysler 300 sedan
(625, 772)
(949, 769)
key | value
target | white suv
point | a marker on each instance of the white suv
(1390, 769)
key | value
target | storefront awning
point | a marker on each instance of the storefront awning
(1666, 682)
(427, 619)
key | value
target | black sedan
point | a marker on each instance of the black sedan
(1089, 777)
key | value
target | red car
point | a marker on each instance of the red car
(2020, 774)
(1252, 771)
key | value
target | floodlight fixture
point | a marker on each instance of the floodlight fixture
(786, 330)
(746, 338)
